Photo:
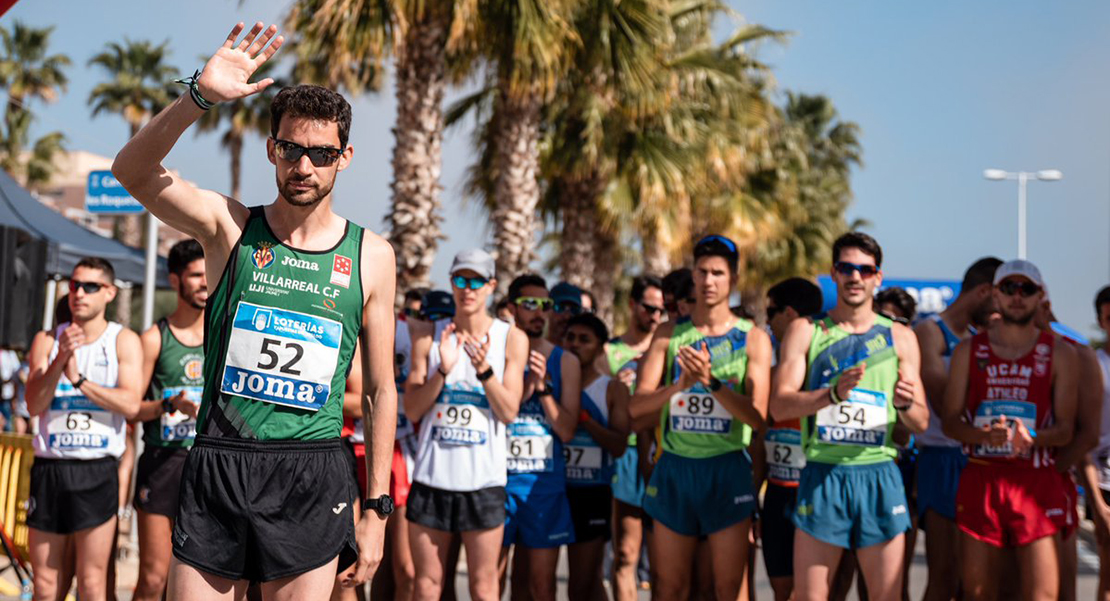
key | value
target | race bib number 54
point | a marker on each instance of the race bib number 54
(282, 357)
(859, 420)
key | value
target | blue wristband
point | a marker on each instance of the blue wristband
(1032, 432)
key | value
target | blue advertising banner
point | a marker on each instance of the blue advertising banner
(105, 196)
(932, 296)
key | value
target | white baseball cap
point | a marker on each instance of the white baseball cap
(1019, 267)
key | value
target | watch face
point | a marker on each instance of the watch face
(385, 503)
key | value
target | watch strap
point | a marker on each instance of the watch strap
(482, 377)
(80, 380)
(714, 384)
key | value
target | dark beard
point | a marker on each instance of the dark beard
(305, 199)
(192, 303)
(1018, 321)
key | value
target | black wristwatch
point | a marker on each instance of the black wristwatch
(80, 380)
(548, 390)
(482, 377)
(714, 384)
(167, 406)
(383, 505)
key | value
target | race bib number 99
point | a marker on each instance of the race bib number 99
(859, 420)
(178, 426)
(699, 413)
(461, 417)
(281, 357)
(990, 412)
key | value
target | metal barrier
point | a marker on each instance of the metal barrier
(16, 455)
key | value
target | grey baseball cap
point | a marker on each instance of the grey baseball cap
(1019, 267)
(476, 260)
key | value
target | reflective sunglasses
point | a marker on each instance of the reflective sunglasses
(846, 268)
(729, 244)
(534, 303)
(88, 287)
(568, 307)
(462, 282)
(1011, 287)
(653, 309)
(321, 156)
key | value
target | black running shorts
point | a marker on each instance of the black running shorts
(68, 495)
(158, 480)
(591, 511)
(263, 510)
(454, 511)
(778, 529)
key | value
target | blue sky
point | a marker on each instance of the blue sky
(941, 90)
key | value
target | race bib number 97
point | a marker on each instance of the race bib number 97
(859, 420)
(282, 357)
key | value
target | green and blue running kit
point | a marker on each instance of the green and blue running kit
(851, 494)
(266, 491)
(167, 438)
(628, 483)
(702, 483)
(590, 469)
(459, 476)
(75, 476)
(537, 513)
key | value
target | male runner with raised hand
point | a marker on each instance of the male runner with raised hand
(850, 376)
(787, 301)
(465, 386)
(537, 513)
(622, 355)
(173, 363)
(705, 382)
(601, 436)
(266, 493)
(1096, 467)
(1011, 398)
(84, 385)
(942, 459)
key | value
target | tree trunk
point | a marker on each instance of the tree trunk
(607, 259)
(516, 192)
(656, 259)
(235, 149)
(414, 215)
(578, 210)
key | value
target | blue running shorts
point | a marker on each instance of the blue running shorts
(537, 520)
(697, 497)
(938, 476)
(628, 485)
(852, 506)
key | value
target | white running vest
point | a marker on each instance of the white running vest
(461, 443)
(934, 435)
(1102, 453)
(598, 391)
(74, 427)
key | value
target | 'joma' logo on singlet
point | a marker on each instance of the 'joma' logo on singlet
(259, 384)
(299, 263)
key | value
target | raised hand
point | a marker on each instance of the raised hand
(848, 380)
(903, 394)
(182, 403)
(477, 350)
(448, 349)
(226, 74)
(72, 338)
(696, 362)
(1022, 439)
(998, 432)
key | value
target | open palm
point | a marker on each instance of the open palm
(226, 75)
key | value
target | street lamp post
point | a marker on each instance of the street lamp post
(1023, 177)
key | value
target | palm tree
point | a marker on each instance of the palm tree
(138, 88)
(28, 72)
(344, 43)
(250, 115)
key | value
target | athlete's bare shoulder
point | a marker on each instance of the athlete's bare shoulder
(379, 265)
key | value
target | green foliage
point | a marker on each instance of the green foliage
(140, 81)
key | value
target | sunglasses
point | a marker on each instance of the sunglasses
(321, 156)
(653, 309)
(534, 303)
(462, 282)
(88, 287)
(773, 311)
(437, 315)
(568, 307)
(1010, 287)
(846, 268)
(729, 244)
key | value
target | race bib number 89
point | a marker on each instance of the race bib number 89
(281, 357)
(859, 420)
(699, 413)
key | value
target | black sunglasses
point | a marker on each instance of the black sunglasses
(653, 309)
(773, 311)
(321, 156)
(1010, 287)
(846, 268)
(88, 287)
(568, 307)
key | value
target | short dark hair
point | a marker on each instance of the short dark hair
(312, 102)
(799, 294)
(183, 253)
(521, 281)
(1102, 298)
(641, 283)
(861, 241)
(591, 322)
(98, 263)
(899, 298)
(718, 246)
(679, 284)
(980, 272)
(416, 294)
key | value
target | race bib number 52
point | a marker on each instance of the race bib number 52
(282, 357)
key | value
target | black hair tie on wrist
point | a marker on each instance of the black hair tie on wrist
(194, 92)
